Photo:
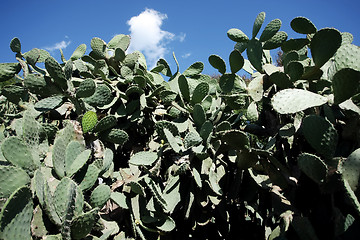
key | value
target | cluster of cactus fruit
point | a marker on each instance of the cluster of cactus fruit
(100, 147)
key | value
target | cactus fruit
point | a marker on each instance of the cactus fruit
(16, 215)
(218, 63)
(89, 121)
(295, 100)
(303, 25)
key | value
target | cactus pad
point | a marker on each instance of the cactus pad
(115, 135)
(100, 195)
(144, 158)
(345, 84)
(236, 61)
(218, 63)
(101, 97)
(348, 56)
(302, 25)
(313, 167)
(83, 224)
(86, 88)
(11, 178)
(8, 70)
(237, 35)
(15, 45)
(270, 30)
(55, 71)
(259, 20)
(350, 169)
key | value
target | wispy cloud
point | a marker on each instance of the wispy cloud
(63, 44)
(186, 55)
(182, 37)
(148, 37)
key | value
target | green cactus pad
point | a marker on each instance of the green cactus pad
(236, 61)
(84, 223)
(184, 88)
(313, 167)
(86, 88)
(255, 54)
(226, 82)
(160, 125)
(276, 41)
(105, 123)
(79, 52)
(173, 141)
(101, 97)
(18, 153)
(49, 103)
(281, 80)
(100, 195)
(348, 56)
(40, 85)
(350, 169)
(15, 45)
(199, 115)
(324, 45)
(270, 30)
(206, 130)
(55, 71)
(289, 101)
(98, 46)
(16, 215)
(166, 224)
(8, 71)
(32, 56)
(88, 121)
(194, 69)
(63, 195)
(12, 178)
(303, 25)
(345, 84)
(347, 38)
(200, 92)
(237, 35)
(192, 139)
(295, 70)
(115, 135)
(90, 177)
(320, 134)
(144, 158)
(294, 44)
(78, 163)
(236, 139)
(13, 93)
(218, 63)
(255, 88)
(259, 20)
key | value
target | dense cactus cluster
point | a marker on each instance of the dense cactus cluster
(101, 147)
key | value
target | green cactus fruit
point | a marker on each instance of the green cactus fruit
(345, 84)
(324, 45)
(83, 224)
(289, 101)
(13, 93)
(237, 35)
(294, 44)
(184, 88)
(276, 41)
(115, 135)
(303, 25)
(259, 20)
(194, 69)
(236, 139)
(89, 121)
(12, 178)
(173, 141)
(350, 169)
(79, 52)
(90, 178)
(255, 54)
(144, 158)
(218, 63)
(313, 167)
(100, 195)
(49, 103)
(199, 115)
(320, 134)
(348, 56)
(66, 191)
(200, 92)
(105, 123)
(236, 61)
(98, 47)
(55, 71)
(192, 139)
(281, 80)
(86, 88)
(16, 215)
(160, 125)
(8, 71)
(18, 153)
(270, 30)
(101, 97)
(15, 45)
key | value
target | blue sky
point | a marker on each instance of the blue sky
(192, 29)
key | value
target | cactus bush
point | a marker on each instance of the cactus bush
(101, 147)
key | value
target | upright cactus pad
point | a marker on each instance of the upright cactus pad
(12, 178)
(350, 169)
(302, 25)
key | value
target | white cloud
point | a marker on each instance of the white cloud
(58, 45)
(182, 37)
(186, 55)
(147, 35)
